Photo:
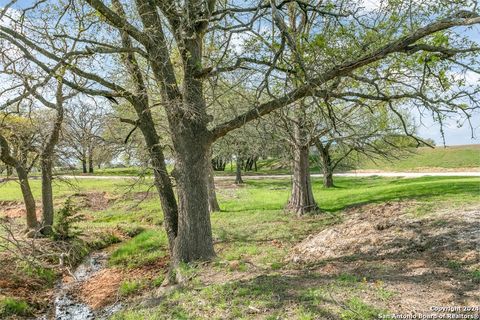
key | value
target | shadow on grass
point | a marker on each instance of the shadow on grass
(273, 194)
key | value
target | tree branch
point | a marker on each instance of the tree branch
(462, 18)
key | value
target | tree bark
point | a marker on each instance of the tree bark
(146, 124)
(194, 240)
(162, 181)
(327, 167)
(90, 161)
(84, 165)
(187, 119)
(238, 174)
(301, 200)
(47, 196)
(47, 157)
(213, 205)
(28, 198)
(327, 178)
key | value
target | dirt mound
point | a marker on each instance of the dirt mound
(95, 201)
(15, 209)
(387, 230)
(422, 262)
(101, 289)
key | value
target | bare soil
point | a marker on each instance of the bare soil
(95, 201)
(425, 262)
(102, 288)
(16, 209)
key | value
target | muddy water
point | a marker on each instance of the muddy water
(67, 306)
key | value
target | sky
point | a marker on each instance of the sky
(455, 135)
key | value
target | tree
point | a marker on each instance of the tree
(374, 133)
(27, 194)
(23, 136)
(47, 155)
(156, 31)
(83, 132)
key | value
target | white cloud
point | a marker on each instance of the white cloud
(371, 5)
(472, 78)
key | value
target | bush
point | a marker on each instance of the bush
(65, 218)
(45, 275)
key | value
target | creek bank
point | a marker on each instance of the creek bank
(68, 302)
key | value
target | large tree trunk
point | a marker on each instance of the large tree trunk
(187, 118)
(238, 173)
(194, 240)
(192, 145)
(302, 200)
(327, 177)
(28, 198)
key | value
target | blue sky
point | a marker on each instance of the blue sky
(453, 134)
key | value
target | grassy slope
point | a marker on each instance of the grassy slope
(465, 157)
(248, 232)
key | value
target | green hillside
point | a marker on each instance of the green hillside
(465, 157)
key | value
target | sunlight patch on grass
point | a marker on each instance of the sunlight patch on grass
(145, 248)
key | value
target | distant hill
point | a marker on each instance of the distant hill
(461, 157)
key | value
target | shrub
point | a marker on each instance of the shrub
(66, 217)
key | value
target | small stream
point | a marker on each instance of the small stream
(67, 307)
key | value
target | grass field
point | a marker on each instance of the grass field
(253, 236)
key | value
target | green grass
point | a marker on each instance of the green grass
(267, 195)
(253, 235)
(145, 248)
(10, 190)
(10, 306)
(475, 275)
(253, 217)
(356, 309)
(129, 287)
